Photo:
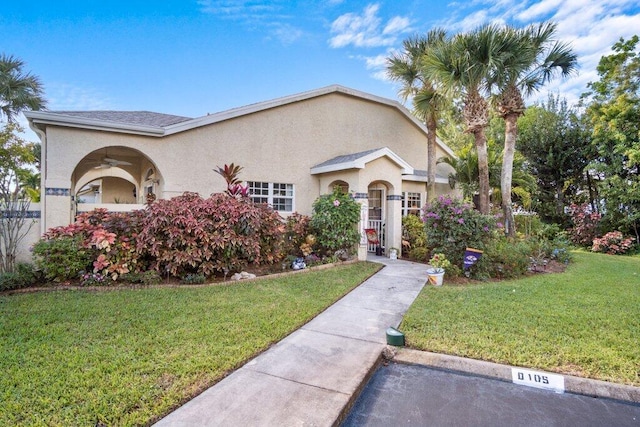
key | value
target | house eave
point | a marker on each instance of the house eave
(56, 119)
(361, 162)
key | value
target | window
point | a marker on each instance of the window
(149, 183)
(375, 204)
(411, 203)
(277, 195)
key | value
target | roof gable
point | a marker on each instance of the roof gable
(159, 125)
(359, 161)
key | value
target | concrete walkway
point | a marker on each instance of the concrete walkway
(312, 376)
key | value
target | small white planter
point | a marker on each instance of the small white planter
(435, 277)
(393, 254)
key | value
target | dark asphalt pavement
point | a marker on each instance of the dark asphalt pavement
(400, 394)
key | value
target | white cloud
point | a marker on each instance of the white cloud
(538, 10)
(376, 62)
(397, 24)
(591, 27)
(63, 96)
(287, 34)
(269, 15)
(366, 30)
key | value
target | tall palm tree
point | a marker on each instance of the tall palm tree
(465, 65)
(465, 173)
(531, 58)
(405, 67)
(18, 90)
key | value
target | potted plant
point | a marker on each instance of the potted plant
(393, 253)
(438, 263)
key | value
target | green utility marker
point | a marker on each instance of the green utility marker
(395, 337)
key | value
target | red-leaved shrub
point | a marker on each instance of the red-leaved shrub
(585, 224)
(612, 243)
(189, 234)
(108, 238)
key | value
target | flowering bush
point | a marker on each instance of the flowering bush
(452, 225)
(612, 243)
(334, 222)
(439, 262)
(92, 279)
(585, 224)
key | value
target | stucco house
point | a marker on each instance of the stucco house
(292, 149)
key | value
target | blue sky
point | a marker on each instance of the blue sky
(193, 57)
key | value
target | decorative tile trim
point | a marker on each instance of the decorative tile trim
(27, 215)
(360, 196)
(394, 197)
(57, 191)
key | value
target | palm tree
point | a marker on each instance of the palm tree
(531, 58)
(18, 90)
(405, 67)
(465, 173)
(465, 65)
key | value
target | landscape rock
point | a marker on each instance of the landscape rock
(242, 276)
(389, 352)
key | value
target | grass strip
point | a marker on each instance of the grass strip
(128, 357)
(584, 322)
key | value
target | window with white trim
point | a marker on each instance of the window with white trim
(411, 203)
(278, 195)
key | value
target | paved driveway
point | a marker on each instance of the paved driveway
(401, 394)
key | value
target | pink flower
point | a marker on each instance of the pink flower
(336, 203)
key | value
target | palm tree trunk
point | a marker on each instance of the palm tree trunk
(431, 158)
(506, 175)
(483, 168)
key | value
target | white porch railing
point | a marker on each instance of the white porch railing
(377, 225)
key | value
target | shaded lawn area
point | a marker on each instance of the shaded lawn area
(127, 357)
(584, 322)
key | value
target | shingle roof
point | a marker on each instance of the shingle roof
(147, 118)
(346, 158)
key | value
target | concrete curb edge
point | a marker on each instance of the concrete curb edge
(573, 384)
(356, 394)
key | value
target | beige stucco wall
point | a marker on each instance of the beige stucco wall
(276, 145)
(117, 190)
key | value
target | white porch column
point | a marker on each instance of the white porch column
(394, 223)
(363, 200)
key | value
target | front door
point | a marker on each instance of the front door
(376, 215)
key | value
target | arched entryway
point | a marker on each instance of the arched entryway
(116, 178)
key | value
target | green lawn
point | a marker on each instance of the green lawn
(585, 321)
(127, 357)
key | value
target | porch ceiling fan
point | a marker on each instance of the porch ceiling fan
(108, 162)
